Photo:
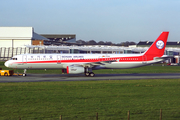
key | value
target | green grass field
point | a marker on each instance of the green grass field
(81, 100)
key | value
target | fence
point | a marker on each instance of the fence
(96, 116)
(128, 115)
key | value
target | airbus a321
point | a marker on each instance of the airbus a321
(85, 63)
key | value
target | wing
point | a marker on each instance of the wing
(91, 64)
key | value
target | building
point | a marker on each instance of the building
(19, 37)
(14, 39)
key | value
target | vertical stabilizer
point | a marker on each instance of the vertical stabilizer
(158, 47)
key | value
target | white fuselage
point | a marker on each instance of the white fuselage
(96, 61)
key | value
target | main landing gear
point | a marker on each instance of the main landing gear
(88, 73)
(91, 74)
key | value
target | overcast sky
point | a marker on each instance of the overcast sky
(100, 20)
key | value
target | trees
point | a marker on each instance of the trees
(81, 42)
(101, 43)
(93, 42)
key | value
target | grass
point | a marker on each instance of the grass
(80, 100)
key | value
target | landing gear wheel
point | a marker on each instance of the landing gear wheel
(5, 74)
(23, 74)
(91, 74)
(87, 74)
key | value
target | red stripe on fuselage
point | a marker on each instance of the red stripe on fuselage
(119, 59)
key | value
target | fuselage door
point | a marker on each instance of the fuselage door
(58, 59)
(24, 59)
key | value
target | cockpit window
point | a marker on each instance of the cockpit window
(13, 58)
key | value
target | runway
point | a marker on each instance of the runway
(81, 77)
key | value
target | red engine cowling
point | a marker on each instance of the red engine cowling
(74, 70)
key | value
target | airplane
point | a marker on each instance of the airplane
(85, 63)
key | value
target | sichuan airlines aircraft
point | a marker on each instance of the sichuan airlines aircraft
(85, 63)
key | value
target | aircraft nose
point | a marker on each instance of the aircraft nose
(6, 64)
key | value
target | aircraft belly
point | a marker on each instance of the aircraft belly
(124, 65)
(38, 66)
(46, 66)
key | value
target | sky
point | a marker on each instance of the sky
(100, 20)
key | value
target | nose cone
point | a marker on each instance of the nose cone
(6, 64)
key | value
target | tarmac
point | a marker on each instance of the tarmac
(81, 77)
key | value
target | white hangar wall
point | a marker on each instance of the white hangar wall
(16, 32)
(15, 36)
(21, 43)
(13, 41)
(5, 43)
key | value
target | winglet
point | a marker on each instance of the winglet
(158, 47)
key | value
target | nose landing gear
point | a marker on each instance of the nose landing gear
(24, 74)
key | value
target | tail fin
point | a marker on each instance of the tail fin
(158, 47)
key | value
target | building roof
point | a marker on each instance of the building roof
(144, 43)
(38, 37)
(61, 37)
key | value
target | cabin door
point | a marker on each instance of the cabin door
(58, 59)
(24, 59)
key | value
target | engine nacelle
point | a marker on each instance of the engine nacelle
(74, 70)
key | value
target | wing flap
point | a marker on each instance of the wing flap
(164, 57)
(100, 62)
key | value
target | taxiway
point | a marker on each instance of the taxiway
(81, 77)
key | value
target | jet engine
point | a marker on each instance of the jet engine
(75, 69)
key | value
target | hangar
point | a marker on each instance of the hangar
(19, 36)
(14, 41)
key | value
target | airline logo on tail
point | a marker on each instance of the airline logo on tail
(160, 44)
